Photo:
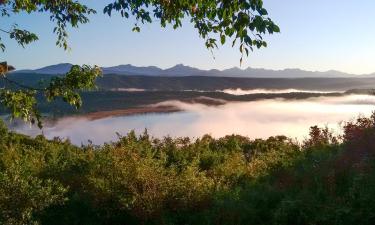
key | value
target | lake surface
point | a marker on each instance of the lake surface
(257, 119)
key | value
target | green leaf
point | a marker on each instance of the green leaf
(136, 29)
(222, 39)
(276, 28)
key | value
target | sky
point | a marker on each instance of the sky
(316, 35)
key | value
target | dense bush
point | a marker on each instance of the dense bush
(231, 180)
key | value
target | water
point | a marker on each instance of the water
(257, 119)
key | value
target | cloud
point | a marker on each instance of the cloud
(256, 119)
(240, 91)
(128, 89)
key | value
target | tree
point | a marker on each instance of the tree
(245, 22)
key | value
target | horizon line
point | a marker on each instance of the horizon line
(234, 67)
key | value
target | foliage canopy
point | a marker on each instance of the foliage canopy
(231, 180)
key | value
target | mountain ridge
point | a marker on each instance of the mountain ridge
(181, 70)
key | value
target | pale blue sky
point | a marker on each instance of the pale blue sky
(316, 35)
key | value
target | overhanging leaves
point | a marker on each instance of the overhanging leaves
(242, 20)
(21, 100)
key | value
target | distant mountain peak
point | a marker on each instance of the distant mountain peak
(179, 66)
(181, 70)
(60, 68)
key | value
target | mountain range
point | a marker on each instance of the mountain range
(181, 70)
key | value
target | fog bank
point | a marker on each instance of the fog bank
(240, 91)
(257, 119)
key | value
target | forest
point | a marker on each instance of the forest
(205, 83)
(326, 179)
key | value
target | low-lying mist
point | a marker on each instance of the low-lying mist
(257, 119)
(240, 91)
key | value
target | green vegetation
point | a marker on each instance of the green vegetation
(231, 180)
(22, 102)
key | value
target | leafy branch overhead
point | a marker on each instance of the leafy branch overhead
(22, 100)
(244, 22)
(61, 12)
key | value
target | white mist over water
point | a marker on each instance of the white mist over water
(128, 89)
(240, 91)
(257, 119)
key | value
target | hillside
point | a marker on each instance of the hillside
(116, 92)
(220, 83)
(206, 83)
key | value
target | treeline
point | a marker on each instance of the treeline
(207, 83)
(231, 180)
